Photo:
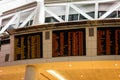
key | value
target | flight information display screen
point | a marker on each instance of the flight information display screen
(108, 41)
(69, 42)
(28, 46)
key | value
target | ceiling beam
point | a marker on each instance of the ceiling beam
(9, 23)
(67, 12)
(17, 22)
(7, 16)
(79, 2)
(27, 19)
(111, 9)
(96, 9)
(81, 12)
(53, 14)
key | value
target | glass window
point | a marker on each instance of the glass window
(91, 14)
(113, 15)
(50, 19)
(82, 17)
(100, 13)
(31, 22)
(73, 17)
(118, 13)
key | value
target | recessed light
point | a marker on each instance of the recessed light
(116, 64)
(81, 75)
(70, 65)
(119, 75)
(1, 70)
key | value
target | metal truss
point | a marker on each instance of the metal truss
(66, 9)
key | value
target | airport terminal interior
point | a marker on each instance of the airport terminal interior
(59, 39)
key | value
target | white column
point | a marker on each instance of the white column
(31, 73)
(0, 20)
(40, 13)
(17, 21)
(67, 12)
(96, 9)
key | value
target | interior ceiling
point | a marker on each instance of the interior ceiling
(92, 70)
(57, 1)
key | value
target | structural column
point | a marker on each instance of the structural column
(91, 41)
(12, 47)
(40, 13)
(31, 73)
(96, 9)
(0, 19)
(47, 44)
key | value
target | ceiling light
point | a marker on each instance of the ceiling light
(116, 64)
(70, 65)
(1, 70)
(54, 73)
(119, 75)
(81, 75)
(22, 78)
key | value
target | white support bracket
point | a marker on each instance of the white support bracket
(27, 19)
(54, 15)
(17, 21)
(39, 17)
(111, 9)
(81, 12)
(67, 12)
(9, 23)
(96, 9)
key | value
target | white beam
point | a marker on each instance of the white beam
(65, 3)
(67, 12)
(111, 9)
(39, 17)
(9, 23)
(93, 1)
(81, 12)
(0, 20)
(3, 17)
(55, 4)
(79, 2)
(105, 1)
(17, 21)
(54, 15)
(27, 19)
(96, 9)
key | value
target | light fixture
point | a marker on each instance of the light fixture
(54, 73)
(119, 75)
(70, 65)
(81, 75)
(116, 64)
(22, 78)
(1, 71)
